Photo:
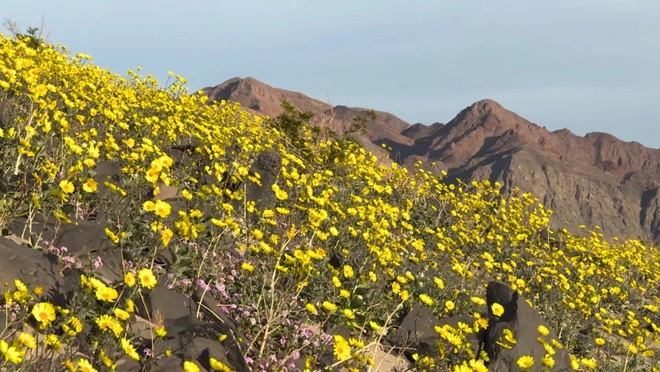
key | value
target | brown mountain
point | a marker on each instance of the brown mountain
(593, 180)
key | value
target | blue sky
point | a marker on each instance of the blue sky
(577, 64)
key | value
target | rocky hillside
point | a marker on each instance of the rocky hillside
(595, 180)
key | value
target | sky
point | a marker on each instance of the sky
(589, 66)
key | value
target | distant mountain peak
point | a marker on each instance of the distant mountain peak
(487, 104)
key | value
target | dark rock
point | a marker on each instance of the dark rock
(195, 340)
(416, 333)
(82, 237)
(34, 268)
(267, 166)
(523, 321)
(35, 230)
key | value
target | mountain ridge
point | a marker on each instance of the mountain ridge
(595, 179)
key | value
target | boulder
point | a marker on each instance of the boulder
(523, 321)
(416, 333)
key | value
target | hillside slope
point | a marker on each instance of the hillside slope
(595, 180)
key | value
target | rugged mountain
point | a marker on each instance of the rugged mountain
(593, 180)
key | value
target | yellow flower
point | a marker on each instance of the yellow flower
(149, 206)
(129, 349)
(129, 279)
(497, 309)
(70, 366)
(426, 299)
(348, 271)
(589, 363)
(121, 314)
(311, 308)
(105, 359)
(217, 365)
(166, 236)
(162, 209)
(20, 286)
(44, 313)
(107, 294)
(161, 332)
(478, 366)
(152, 174)
(548, 360)
(375, 326)
(247, 267)
(478, 301)
(329, 306)
(111, 235)
(53, 342)
(450, 305)
(130, 306)
(147, 278)
(90, 186)
(279, 193)
(72, 327)
(525, 362)
(600, 341)
(349, 314)
(543, 330)
(342, 349)
(189, 366)
(107, 323)
(85, 366)
(67, 187)
(11, 353)
(27, 340)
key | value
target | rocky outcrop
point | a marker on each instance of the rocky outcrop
(520, 331)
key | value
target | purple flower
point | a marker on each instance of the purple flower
(202, 284)
(97, 263)
(222, 290)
